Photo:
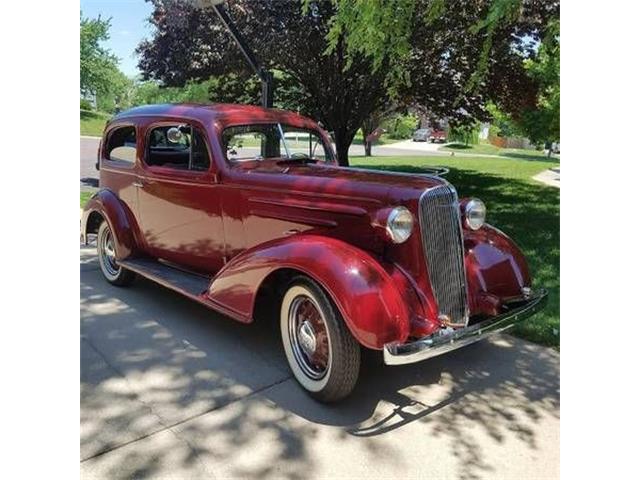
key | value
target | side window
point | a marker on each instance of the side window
(121, 146)
(182, 147)
(251, 142)
(304, 144)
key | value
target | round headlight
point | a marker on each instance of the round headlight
(399, 224)
(475, 212)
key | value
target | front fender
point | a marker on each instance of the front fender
(366, 292)
(120, 219)
(496, 270)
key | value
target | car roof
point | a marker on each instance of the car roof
(223, 113)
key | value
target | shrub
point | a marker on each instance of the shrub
(466, 134)
(85, 104)
(400, 126)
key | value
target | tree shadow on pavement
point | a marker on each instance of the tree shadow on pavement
(170, 388)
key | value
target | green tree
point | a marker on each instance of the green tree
(97, 64)
(434, 46)
(384, 30)
(542, 123)
(118, 94)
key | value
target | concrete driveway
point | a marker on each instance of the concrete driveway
(170, 389)
(420, 148)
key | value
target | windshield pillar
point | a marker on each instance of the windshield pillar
(284, 142)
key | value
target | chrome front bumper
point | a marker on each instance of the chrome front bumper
(439, 343)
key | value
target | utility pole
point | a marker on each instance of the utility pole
(266, 77)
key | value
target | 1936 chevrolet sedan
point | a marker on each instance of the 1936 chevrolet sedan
(246, 211)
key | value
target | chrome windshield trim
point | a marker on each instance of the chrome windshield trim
(284, 140)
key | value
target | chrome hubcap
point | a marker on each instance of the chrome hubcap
(108, 254)
(309, 337)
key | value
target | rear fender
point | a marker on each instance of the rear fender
(374, 305)
(120, 219)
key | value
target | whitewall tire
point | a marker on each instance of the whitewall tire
(322, 354)
(113, 272)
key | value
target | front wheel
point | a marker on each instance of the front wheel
(112, 271)
(323, 355)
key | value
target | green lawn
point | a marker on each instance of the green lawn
(488, 149)
(92, 123)
(527, 211)
(84, 198)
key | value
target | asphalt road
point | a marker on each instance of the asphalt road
(170, 389)
(89, 151)
(88, 157)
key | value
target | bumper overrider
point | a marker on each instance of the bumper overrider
(439, 343)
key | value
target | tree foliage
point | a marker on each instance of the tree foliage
(193, 44)
(118, 95)
(384, 31)
(97, 64)
(541, 123)
(340, 61)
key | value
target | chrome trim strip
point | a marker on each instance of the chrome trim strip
(436, 172)
(439, 343)
(284, 141)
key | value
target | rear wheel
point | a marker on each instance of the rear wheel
(112, 271)
(323, 355)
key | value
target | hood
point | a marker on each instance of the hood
(353, 183)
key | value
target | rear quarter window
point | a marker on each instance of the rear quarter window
(121, 145)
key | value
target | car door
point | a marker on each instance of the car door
(117, 163)
(179, 197)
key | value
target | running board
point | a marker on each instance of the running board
(189, 284)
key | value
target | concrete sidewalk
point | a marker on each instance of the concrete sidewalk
(170, 389)
(549, 177)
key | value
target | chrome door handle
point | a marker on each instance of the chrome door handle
(138, 184)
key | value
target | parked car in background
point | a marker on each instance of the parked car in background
(246, 211)
(421, 135)
(437, 136)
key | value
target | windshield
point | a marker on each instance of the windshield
(273, 140)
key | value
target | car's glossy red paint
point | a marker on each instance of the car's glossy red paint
(238, 224)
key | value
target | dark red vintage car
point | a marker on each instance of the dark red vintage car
(246, 211)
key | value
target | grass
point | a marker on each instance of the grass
(84, 198)
(92, 123)
(488, 149)
(527, 211)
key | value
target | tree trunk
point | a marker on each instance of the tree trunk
(367, 128)
(367, 148)
(343, 138)
(342, 150)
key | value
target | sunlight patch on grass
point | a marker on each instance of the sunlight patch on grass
(84, 198)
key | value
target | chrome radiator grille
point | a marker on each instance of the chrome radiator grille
(443, 250)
